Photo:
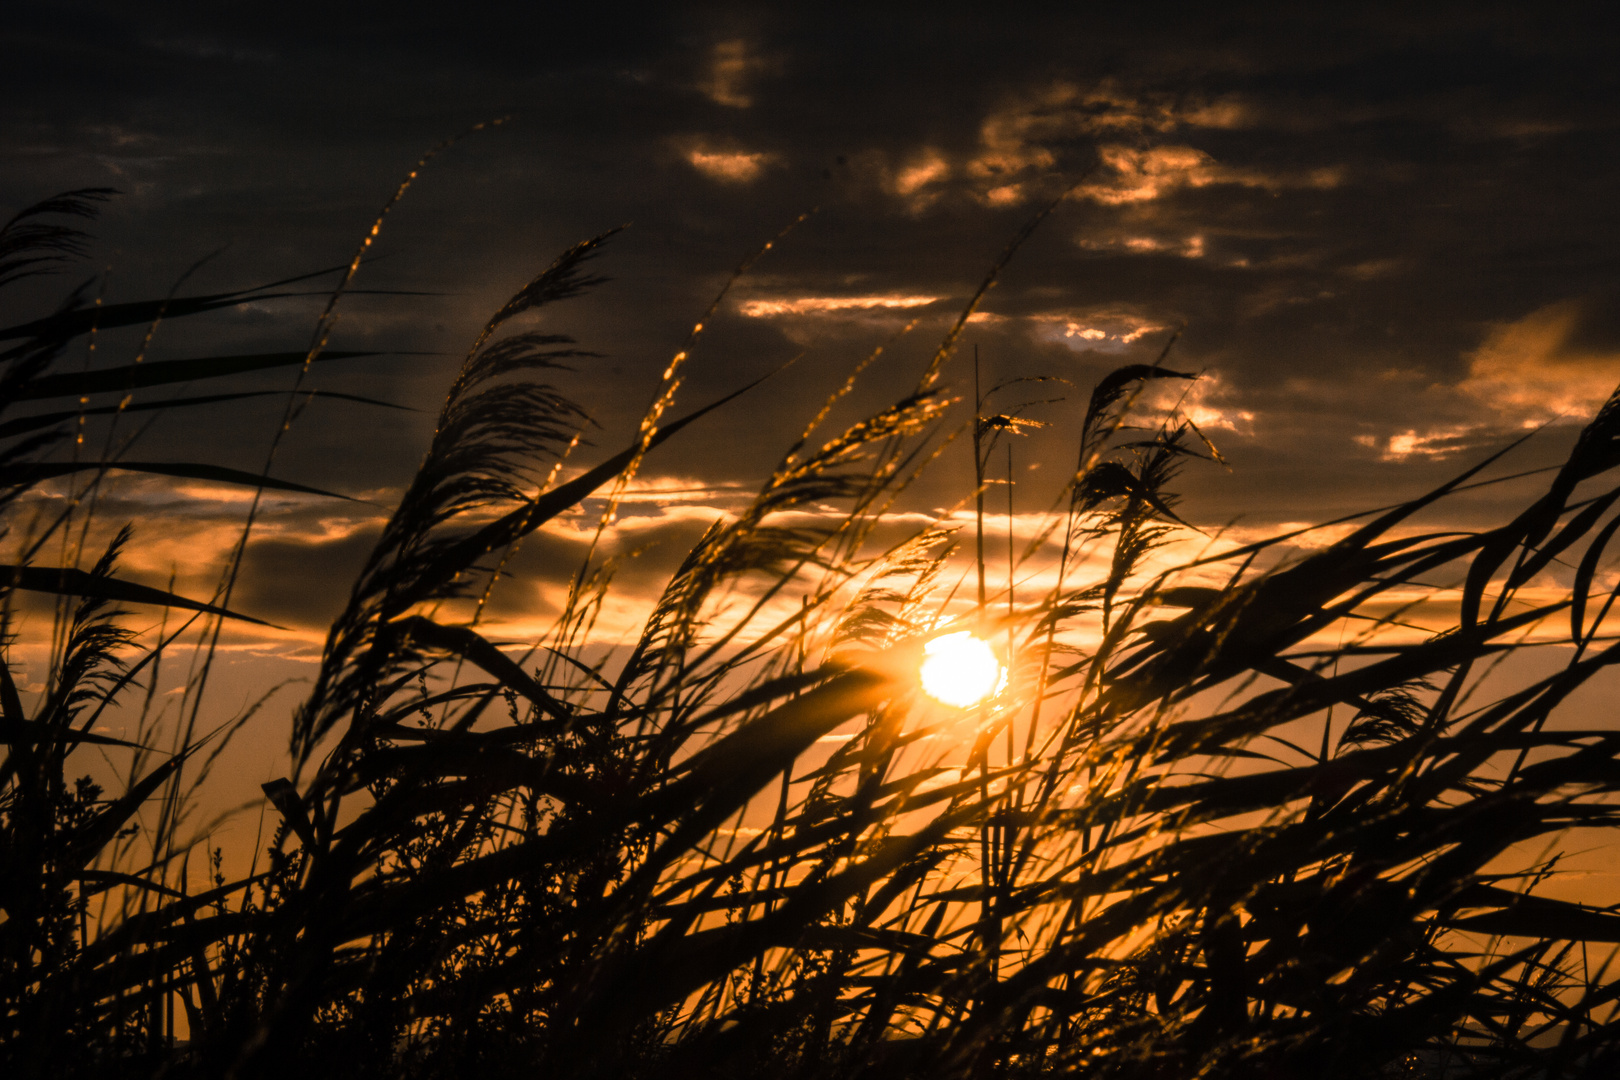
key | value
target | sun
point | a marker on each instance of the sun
(959, 669)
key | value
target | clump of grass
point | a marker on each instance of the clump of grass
(1160, 850)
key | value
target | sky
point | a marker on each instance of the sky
(1387, 235)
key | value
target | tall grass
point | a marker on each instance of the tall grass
(1185, 838)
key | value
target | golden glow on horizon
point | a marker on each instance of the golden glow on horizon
(959, 669)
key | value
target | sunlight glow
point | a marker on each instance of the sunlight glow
(959, 669)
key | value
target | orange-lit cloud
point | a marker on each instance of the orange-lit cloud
(1544, 365)
(727, 166)
(1435, 443)
(1022, 142)
(1206, 401)
(1192, 246)
(1134, 174)
(1099, 329)
(930, 168)
(918, 180)
(665, 490)
(1138, 175)
(1556, 364)
(832, 305)
(1005, 195)
(732, 66)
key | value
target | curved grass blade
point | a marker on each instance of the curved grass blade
(70, 582)
(475, 648)
(75, 321)
(25, 424)
(12, 733)
(129, 377)
(29, 473)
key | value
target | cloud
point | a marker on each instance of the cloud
(665, 490)
(1136, 174)
(930, 167)
(732, 66)
(304, 557)
(302, 581)
(1207, 401)
(300, 562)
(1193, 246)
(1038, 136)
(1435, 444)
(1029, 137)
(727, 166)
(918, 178)
(1562, 359)
(1142, 174)
(1105, 329)
(833, 305)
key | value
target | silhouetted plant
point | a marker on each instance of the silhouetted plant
(1131, 863)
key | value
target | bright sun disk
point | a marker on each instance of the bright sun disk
(959, 669)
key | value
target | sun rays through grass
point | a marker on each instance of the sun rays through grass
(1209, 807)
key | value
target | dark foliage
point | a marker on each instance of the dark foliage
(1182, 840)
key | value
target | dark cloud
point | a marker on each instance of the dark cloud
(301, 583)
(1357, 215)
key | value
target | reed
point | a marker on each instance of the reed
(1185, 838)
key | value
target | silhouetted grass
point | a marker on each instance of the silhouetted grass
(1185, 839)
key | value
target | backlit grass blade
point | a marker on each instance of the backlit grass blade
(123, 379)
(30, 473)
(25, 424)
(67, 581)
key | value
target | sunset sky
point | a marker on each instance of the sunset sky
(1390, 239)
